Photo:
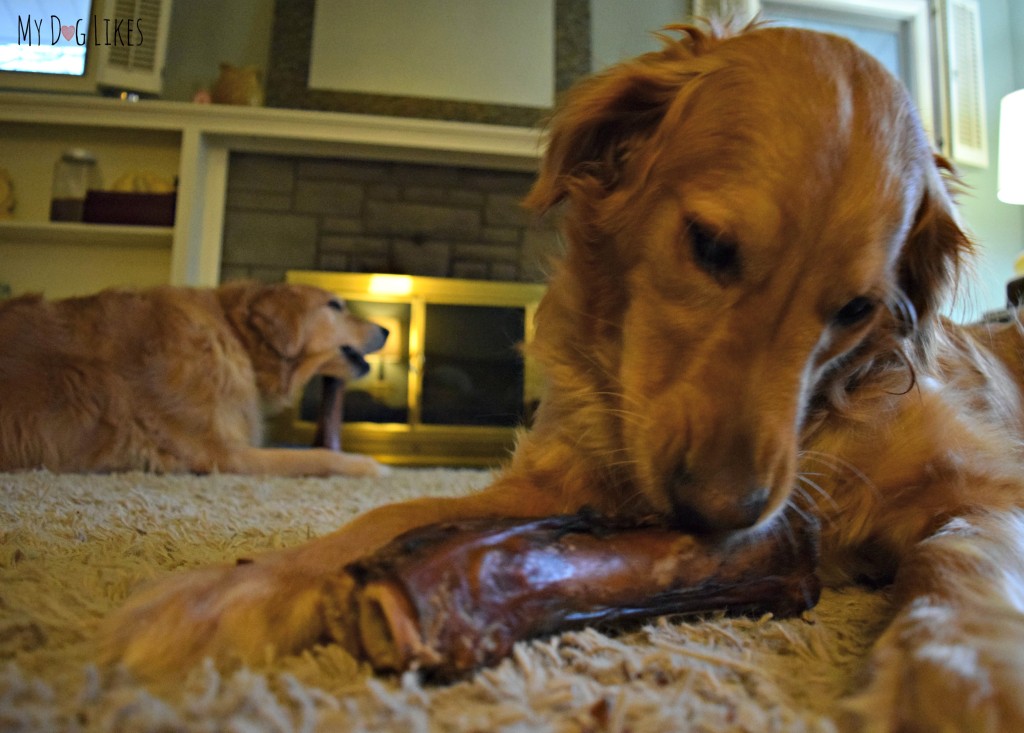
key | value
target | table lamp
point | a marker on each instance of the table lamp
(1011, 148)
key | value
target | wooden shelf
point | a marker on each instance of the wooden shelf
(63, 233)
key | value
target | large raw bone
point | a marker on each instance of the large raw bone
(453, 597)
(328, 423)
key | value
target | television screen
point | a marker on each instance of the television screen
(44, 37)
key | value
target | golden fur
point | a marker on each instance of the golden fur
(745, 324)
(169, 379)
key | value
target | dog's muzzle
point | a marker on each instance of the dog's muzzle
(355, 357)
(356, 360)
(714, 506)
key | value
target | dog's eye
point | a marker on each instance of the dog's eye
(854, 311)
(713, 254)
(335, 304)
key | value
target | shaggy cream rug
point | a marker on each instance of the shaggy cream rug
(72, 547)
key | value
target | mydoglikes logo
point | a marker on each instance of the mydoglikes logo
(105, 31)
(53, 36)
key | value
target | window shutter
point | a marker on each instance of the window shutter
(968, 122)
(138, 67)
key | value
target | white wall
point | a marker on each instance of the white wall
(1016, 8)
(620, 30)
(205, 33)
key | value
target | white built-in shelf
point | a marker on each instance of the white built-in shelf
(64, 233)
(206, 135)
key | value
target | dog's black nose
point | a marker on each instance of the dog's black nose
(704, 508)
(382, 338)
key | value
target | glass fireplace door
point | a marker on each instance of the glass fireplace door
(472, 365)
(452, 384)
(382, 396)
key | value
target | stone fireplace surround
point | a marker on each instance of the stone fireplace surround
(358, 193)
(287, 212)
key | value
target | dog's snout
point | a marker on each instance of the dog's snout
(377, 343)
(702, 507)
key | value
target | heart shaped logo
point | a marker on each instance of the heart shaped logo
(67, 31)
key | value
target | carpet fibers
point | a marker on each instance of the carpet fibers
(72, 548)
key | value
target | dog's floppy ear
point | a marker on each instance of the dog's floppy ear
(604, 118)
(936, 249)
(278, 317)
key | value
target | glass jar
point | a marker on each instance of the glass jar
(73, 174)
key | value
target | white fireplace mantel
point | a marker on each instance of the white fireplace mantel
(209, 133)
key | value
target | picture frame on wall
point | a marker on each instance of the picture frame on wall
(428, 63)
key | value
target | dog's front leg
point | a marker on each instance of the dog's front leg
(953, 657)
(301, 462)
(282, 602)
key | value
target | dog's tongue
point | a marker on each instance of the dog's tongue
(359, 364)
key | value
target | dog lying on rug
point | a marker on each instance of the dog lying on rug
(745, 324)
(171, 379)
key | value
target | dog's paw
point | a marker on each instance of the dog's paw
(945, 668)
(249, 612)
(356, 464)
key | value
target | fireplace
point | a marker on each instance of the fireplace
(453, 383)
(464, 260)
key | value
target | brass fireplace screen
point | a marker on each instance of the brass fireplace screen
(452, 383)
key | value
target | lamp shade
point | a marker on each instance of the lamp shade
(1011, 148)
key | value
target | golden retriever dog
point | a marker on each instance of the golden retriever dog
(746, 322)
(171, 379)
